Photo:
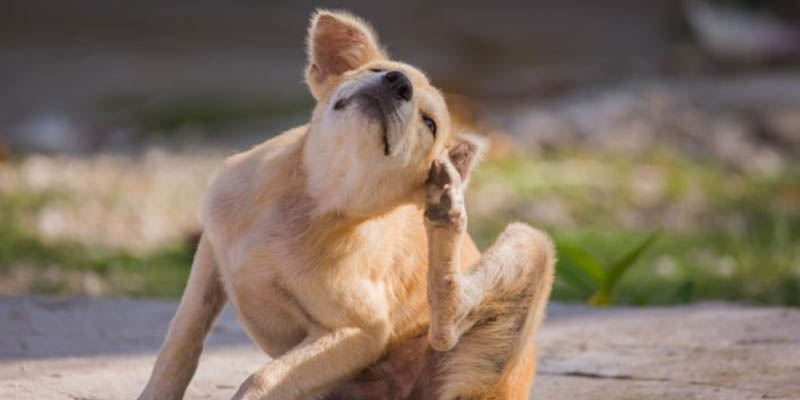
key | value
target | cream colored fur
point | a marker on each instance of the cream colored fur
(318, 240)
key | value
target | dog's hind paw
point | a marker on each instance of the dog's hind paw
(444, 197)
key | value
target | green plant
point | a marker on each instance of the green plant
(589, 276)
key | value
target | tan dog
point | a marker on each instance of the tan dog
(342, 242)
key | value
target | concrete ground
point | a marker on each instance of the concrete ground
(66, 348)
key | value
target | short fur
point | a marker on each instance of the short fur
(342, 242)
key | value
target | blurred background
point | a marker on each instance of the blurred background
(657, 141)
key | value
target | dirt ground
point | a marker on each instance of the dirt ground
(70, 348)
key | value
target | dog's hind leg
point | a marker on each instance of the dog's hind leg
(203, 299)
(483, 320)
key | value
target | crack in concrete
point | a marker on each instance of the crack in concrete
(626, 377)
(595, 375)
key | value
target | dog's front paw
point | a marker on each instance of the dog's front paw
(444, 197)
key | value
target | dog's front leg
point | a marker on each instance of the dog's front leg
(202, 302)
(317, 364)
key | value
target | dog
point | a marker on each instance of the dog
(341, 245)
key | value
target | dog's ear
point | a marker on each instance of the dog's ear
(465, 152)
(337, 42)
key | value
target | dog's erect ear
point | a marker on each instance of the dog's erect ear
(465, 152)
(337, 42)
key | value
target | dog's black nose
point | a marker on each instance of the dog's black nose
(398, 84)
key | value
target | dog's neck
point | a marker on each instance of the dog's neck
(324, 234)
(342, 184)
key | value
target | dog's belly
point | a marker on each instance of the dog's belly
(395, 376)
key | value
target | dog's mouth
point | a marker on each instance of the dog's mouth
(373, 107)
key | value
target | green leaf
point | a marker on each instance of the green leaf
(603, 296)
(685, 292)
(583, 259)
(575, 277)
(600, 298)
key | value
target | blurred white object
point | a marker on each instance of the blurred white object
(738, 33)
(48, 133)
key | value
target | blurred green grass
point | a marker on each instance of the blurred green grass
(60, 267)
(725, 233)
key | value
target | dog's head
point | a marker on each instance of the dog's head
(378, 123)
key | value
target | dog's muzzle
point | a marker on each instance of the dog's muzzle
(380, 101)
(384, 96)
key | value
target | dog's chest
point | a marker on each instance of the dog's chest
(285, 273)
(288, 272)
